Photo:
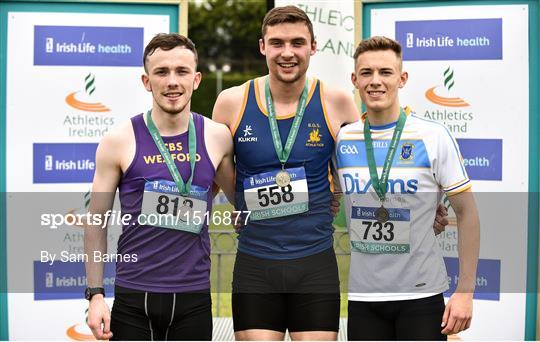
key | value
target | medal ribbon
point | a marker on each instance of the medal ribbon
(183, 188)
(381, 185)
(283, 153)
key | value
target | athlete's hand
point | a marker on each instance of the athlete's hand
(457, 314)
(237, 221)
(334, 203)
(441, 220)
(99, 318)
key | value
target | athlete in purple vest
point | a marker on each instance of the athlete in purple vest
(163, 161)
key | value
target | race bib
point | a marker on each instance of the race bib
(370, 236)
(163, 206)
(266, 200)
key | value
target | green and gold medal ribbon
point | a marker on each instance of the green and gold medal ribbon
(183, 188)
(380, 185)
(283, 153)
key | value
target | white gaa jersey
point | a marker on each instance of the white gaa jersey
(398, 259)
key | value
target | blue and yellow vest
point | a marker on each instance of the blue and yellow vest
(302, 234)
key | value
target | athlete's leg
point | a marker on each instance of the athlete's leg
(259, 316)
(313, 316)
(313, 310)
(259, 310)
(129, 320)
(420, 319)
(371, 321)
(192, 319)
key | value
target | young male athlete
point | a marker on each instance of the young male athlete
(163, 162)
(394, 168)
(284, 126)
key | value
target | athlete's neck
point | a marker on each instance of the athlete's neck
(170, 124)
(383, 117)
(286, 93)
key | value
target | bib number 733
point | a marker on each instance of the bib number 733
(378, 231)
(371, 236)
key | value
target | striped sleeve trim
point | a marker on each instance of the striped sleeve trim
(463, 186)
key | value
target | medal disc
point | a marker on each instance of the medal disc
(381, 214)
(283, 178)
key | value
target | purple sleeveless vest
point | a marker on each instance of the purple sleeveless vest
(167, 260)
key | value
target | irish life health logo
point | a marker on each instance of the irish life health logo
(447, 101)
(64, 162)
(90, 87)
(88, 45)
(447, 40)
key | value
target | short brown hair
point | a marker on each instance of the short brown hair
(377, 43)
(166, 42)
(286, 14)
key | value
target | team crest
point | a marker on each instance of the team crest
(314, 139)
(406, 152)
(314, 136)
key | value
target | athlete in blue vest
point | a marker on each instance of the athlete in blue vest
(284, 127)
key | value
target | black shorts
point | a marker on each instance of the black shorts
(139, 315)
(415, 319)
(296, 295)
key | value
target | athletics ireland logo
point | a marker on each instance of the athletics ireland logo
(90, 87)
(448, 84)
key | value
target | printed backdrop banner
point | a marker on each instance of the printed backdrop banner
(460, 61)
(333, 26)
(75, 78)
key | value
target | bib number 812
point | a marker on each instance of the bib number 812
(283, 194)
(163, 204)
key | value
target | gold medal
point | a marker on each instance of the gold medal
(283, 178)
(381, 214)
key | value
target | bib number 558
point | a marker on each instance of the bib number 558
(275, 195)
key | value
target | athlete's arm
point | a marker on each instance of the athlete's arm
(337, 193)
(104, 186)
(220, 147)
(226, 111)
(340, 108)
(228, 106)
(458, 313)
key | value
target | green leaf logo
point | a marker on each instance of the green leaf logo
(89, 81)
(449, 78)
(87, 197)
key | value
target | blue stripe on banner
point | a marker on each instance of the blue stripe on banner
(88, 45)
(455, 39)
(67, 280)
(488, 278)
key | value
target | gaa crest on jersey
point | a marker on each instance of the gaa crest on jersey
(314, 138)
(406, 152)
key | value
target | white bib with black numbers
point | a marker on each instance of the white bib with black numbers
(163, 206)
(371, 236)
(266, 200)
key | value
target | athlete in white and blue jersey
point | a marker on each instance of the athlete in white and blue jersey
(397, 274)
